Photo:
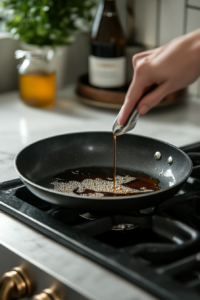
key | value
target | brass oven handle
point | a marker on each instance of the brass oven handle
(47, 294)
(15, 285)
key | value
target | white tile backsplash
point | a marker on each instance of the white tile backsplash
(193, 20)
(194, 3)
(146, 22)
(172, 14)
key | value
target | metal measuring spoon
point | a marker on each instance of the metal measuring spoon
(132, 119)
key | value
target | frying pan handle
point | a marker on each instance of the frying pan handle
(195, 157)
(163, 207)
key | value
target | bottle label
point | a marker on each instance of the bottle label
(107, 72)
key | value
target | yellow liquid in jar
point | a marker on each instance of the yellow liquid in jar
(37, 89)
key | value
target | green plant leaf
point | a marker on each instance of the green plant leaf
(47, 22)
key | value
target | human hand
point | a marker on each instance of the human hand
(170, 67)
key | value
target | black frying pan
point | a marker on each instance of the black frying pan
(41, 160)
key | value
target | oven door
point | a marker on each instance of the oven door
(16, 272)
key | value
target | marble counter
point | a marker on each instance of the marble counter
(21, 125)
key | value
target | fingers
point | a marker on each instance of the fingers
(134, 93)
(153, 98)
(145, 104)
(142, 80)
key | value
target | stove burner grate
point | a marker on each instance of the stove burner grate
(130, 253)
(124, 226)
(119, 227)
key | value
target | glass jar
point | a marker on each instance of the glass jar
(37, 80)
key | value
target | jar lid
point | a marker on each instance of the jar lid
(35, 54)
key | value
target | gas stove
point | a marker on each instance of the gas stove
(157, 249)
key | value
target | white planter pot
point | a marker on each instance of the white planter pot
(8, 63)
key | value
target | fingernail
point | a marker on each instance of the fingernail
(143, 110)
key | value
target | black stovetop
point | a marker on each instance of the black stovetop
(159, 252)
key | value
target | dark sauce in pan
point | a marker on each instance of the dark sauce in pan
(141, 184)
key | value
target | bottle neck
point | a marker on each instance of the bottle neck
(109, 6)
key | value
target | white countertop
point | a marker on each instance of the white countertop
(21, 125)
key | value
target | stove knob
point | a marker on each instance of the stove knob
(15, 285)
(47, 294)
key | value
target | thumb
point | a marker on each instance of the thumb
(133, 95)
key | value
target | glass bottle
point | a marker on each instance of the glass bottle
(107, 57)
(37, 79)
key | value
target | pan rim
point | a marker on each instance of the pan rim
(100, 198)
